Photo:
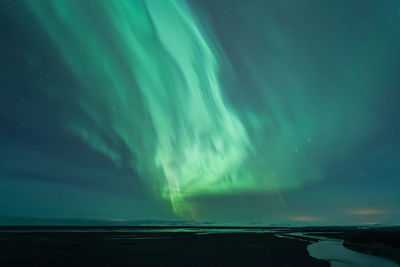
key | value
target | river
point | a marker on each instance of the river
(332, 250)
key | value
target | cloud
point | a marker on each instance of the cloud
(367, 212)
(304, 219)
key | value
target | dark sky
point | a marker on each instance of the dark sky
(219, 110)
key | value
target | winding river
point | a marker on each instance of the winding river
(332, 250)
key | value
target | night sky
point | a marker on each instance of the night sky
(207, 110)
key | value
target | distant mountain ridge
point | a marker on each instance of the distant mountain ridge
(46, 221)
(43, 221)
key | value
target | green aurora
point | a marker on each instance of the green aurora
(198, 109)
(162, 98)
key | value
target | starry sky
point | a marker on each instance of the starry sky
(205, 110)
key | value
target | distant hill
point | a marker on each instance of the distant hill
(43, 221)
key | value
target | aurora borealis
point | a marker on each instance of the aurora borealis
(201, 109)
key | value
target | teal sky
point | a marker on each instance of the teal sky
(218, 110)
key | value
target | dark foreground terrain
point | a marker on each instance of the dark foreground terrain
(105, 246)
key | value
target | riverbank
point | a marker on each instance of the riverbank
(156, 247)
(194, 246)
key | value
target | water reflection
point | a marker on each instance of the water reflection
(332, 250)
